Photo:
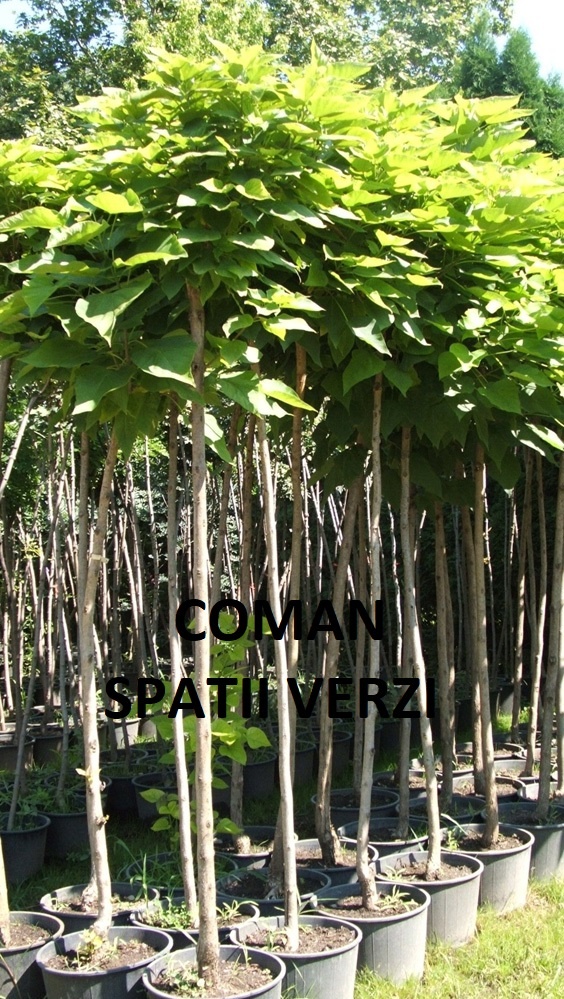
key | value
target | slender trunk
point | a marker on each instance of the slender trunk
(224, 509)
(491, 832)
(89, 571)
(241, 842)
(415, 654)
(290, 888)
(538, 614)
(526, 520)
(363, 868)
(208, 941)
(326, 834)
(445, 660)
(471, 644)
(293, 645)
(185, 836)
(359, 723)
(550, 686)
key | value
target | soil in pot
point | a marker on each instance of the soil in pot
(326, 961)
(78, 911)
(256, 973)
(308, 854)
(96, 955)
(175, 918)
(249, 885)
(20, 978)
(394, 935)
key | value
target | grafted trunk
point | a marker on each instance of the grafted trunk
(208, 940)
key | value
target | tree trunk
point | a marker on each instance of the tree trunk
(445, 660)
(491, 832)
(290, 888)
(208, 940)
(416, 660)
(89, 571)
(364, 871)
(538, 614)
(325, 832)
(526, 518)
(176, 672)
(550, 686)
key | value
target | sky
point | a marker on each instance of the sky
(543, 19)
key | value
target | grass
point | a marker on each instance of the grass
(512, 957)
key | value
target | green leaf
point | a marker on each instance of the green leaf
(32, 218)
(57, 352)
(102, 310)
(256, 738)
(152, 795)
(276, 389)
(503, 394)
(254, 189)
(161, 824)
(115, 204)
(363, 364)
(169, 358)
(214, 437)
(403, 380)
(154, 246)
(94, 383)
(369, 333)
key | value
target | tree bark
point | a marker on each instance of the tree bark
(208, 940)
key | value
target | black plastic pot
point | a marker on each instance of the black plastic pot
(189, 937)
(387, 779)
(24, 849)
(47, 745)
(463, 808)
(377, 830)
(318, 975)
(228, 952)
(147, 869)
(119, 983)
(74, 922)
(506, 871)
(9, 751)
(454, 902)
(393, 946)
(20, 977)
(339, 875)
(547, 856)
(260, 836)
(67, 833)
(383, 803)
(230, 888)
(258, 778)
(304, 763)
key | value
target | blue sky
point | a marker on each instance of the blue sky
(543, 19)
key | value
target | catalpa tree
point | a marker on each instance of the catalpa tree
(233, 225)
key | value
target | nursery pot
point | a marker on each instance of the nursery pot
(47, 745)
(240, 887)
(119, 983)
(506, 870)
(20, 977)
(392, 946)
(9, 752)
(150, 867)
(454, 901)
(67, 833)
(24, 849)
(182, 938)
(383, 803)
(262, 837)
(547, 856)
(56, 902)
(340, 874)
(270, 990)
(258, 777)
(379, 832)
(318, 975)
